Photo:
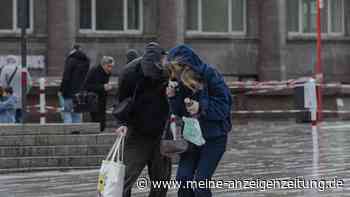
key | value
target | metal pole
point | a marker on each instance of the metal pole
(23, 18)
(42, 101)
(319, 74)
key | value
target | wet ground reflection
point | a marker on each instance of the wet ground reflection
(287, 152)
(259, 150)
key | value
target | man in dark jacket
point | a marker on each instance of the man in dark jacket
(145, 77)
(76, 67)
(98, 81)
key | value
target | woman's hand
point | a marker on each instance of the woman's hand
(192, 106)
(121, 131)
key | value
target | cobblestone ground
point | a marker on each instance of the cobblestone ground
(256, 151)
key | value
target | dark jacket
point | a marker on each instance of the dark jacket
(215, 99)
(95, 80)
(76, 67)
(151, 107)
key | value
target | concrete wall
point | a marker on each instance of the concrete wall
(265, 50)
(301, 54)
(37, 40)
(301, 59)
(233, 55)
(116, 45)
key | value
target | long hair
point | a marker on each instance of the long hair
(184, 73)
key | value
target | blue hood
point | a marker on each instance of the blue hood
(184, 54)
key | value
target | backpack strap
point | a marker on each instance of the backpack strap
(11, 77)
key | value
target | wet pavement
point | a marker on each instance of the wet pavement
(266, 152)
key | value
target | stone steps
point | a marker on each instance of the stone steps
(54, 140)
(50, 161)
(34, 147)
(48, 129)
(59, 150)
(9, 171)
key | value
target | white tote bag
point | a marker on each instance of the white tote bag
(112, 172)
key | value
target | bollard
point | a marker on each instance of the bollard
(310, 98)
(42, 101)
(305, 99)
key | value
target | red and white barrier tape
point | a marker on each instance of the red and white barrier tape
(266, 111)
(51, 109)
(285, 111)
(255, 86)
(48, 109)
(55, 82)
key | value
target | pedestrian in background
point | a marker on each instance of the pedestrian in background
(131, 54)
(11, 76)
(97, 81)
(201, 93)
(7, 105)
(76, 67)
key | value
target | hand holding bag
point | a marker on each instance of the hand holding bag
(85, 101)
(170, 147)
(112, 172)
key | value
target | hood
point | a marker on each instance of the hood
(78, 54)
(184, 54)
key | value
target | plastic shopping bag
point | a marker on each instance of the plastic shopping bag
(192, 131)
(112, 172)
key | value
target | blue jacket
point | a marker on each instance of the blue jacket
(8, 109)
(215, 99)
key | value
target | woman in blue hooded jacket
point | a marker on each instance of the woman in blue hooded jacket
(210, 101)
(7, 106)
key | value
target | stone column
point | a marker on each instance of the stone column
(347, 18)
(171, 22)
(62, 28)
(273, 36)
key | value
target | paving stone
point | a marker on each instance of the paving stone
(267, 151)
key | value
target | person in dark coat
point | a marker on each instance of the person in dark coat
(76, 67)
(131, 54)
(98, 81)
(201, 93)
(145, 77)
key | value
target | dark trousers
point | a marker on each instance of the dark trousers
(18, 116)
(99, 117)
(141, 152)
(200, 164)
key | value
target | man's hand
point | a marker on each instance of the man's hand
(192, 106)
(108, 87)
(121, 131)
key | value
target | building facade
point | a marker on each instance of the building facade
(262, 39)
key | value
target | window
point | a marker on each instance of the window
(111, 15)
(302, 15)
(10, 16)
(220, 16)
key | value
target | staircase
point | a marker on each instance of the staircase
(32, 147)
